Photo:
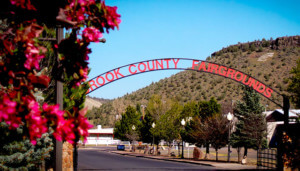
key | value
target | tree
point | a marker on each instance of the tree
(190, 109)
(294, 85)
(207, 109)
(169, 123)
(18, 153)
(123, 128)
(219, 127)
(157, 107)
(213, 130)
(146, 125)
(251, 126)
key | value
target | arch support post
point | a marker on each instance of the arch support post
(284, 130)
(286, 107)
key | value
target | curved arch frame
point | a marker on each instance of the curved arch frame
(196, 65)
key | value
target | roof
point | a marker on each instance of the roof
(101, 131)
(278, 115)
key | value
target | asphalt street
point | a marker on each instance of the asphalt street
(102, 159)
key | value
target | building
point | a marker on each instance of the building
(101, 136)
(275, 121)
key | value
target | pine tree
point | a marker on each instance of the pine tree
(123, 128)
(18, 153)
(251, 126)
(145, 133)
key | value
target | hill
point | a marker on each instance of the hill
(94, 102)
(270, 61)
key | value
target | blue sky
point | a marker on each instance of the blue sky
(184, 29)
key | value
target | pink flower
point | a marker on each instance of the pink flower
(33, 56)
(112, 17)
(56, 120)
(8, 111)
(83, 127)
(23, 4)
(91, 34)
(67, 131)
(35, 122)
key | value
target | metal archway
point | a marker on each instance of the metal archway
(194, 65)
(180, 64)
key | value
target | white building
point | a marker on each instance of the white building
(104, 136)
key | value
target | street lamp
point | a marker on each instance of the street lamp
(153, 126)
(182, 123)
(133, 138)
(229, 117)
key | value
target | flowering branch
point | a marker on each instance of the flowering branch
(21, 54)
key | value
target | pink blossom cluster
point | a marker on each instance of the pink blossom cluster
(38, 120)
(91, 34)
(83, 127)
(8, 109)
(34, 56)
(112, 17)
(25, 4)
(80, 7)
(21, 56)
(83, 73)
(36, 123)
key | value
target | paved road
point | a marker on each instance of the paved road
(101, 159)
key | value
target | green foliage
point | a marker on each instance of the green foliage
(208, 108)
(145, 134)
(251, 126)
(74, 96)
(218, 131)
(252, 47)
(189, 110)
(17, 153)
(294, 85)
(123, 128)
(168, 126)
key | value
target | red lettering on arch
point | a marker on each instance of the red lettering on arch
(117, 72)
(153, 67)
(139, 67)
(254, 84)
(222, 72)
(261, 88)
(161, 64)
(195, 63)
(230, 72)
(175, 62)
(268, 92)
(214, 67)
(244, 80)
(202, 66)
(112, 76)
(167, 60)
(130, 69)
(241, 76)
(103, 81)
(92, 83)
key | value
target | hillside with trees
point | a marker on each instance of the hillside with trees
(269, 61)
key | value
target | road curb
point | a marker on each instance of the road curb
(165, 159)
